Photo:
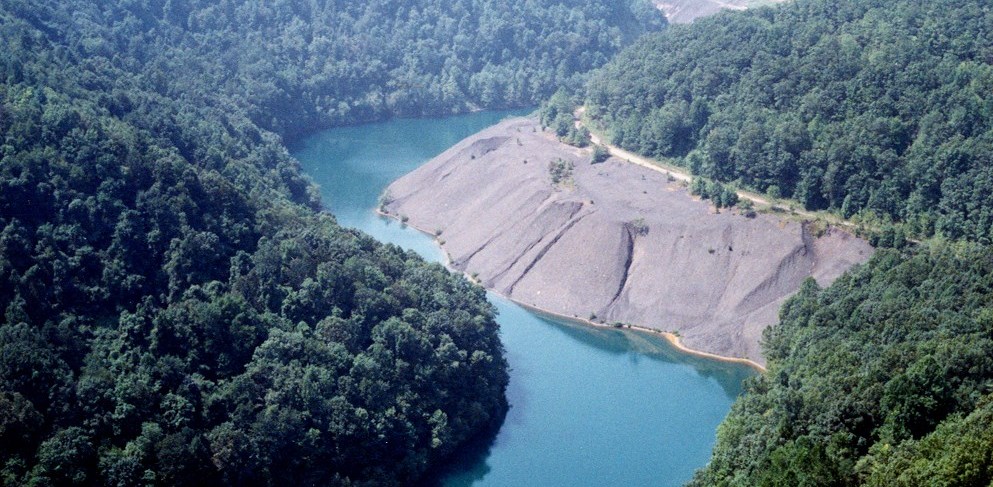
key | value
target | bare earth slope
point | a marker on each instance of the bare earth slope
(686, 11)
(617, 241)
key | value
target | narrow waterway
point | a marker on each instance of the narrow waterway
(595, 407)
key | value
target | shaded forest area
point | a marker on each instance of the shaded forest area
(878, 110)
(175, 308)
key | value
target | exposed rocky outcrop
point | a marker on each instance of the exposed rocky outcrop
(614, 240)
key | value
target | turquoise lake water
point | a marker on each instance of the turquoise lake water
(589, 407)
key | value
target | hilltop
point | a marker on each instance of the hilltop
(686, 11)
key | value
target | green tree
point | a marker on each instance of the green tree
(600, 154)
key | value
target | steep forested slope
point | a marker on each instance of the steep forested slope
(174, 309)
(293, 65)
(885, 378)
(870, 106)
(872, 109)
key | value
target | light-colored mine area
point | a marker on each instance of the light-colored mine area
(686, 11)
(614, 242)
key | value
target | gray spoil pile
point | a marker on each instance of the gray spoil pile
(612, 241)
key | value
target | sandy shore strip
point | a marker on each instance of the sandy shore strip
(670, 337)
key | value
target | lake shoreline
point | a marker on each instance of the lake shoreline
(572, 386)
(531, 218)
(670, 337)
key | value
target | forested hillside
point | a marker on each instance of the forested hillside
(175, 310)
(293, 65)
(884, 379)
(871, 108)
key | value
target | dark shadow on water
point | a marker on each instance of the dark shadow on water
(469, 460)
(638, 344)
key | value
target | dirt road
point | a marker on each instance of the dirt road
(684, 175)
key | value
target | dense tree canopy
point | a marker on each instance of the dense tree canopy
(858, 106)
(884, 378)
(292, 65)
(174, 308)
